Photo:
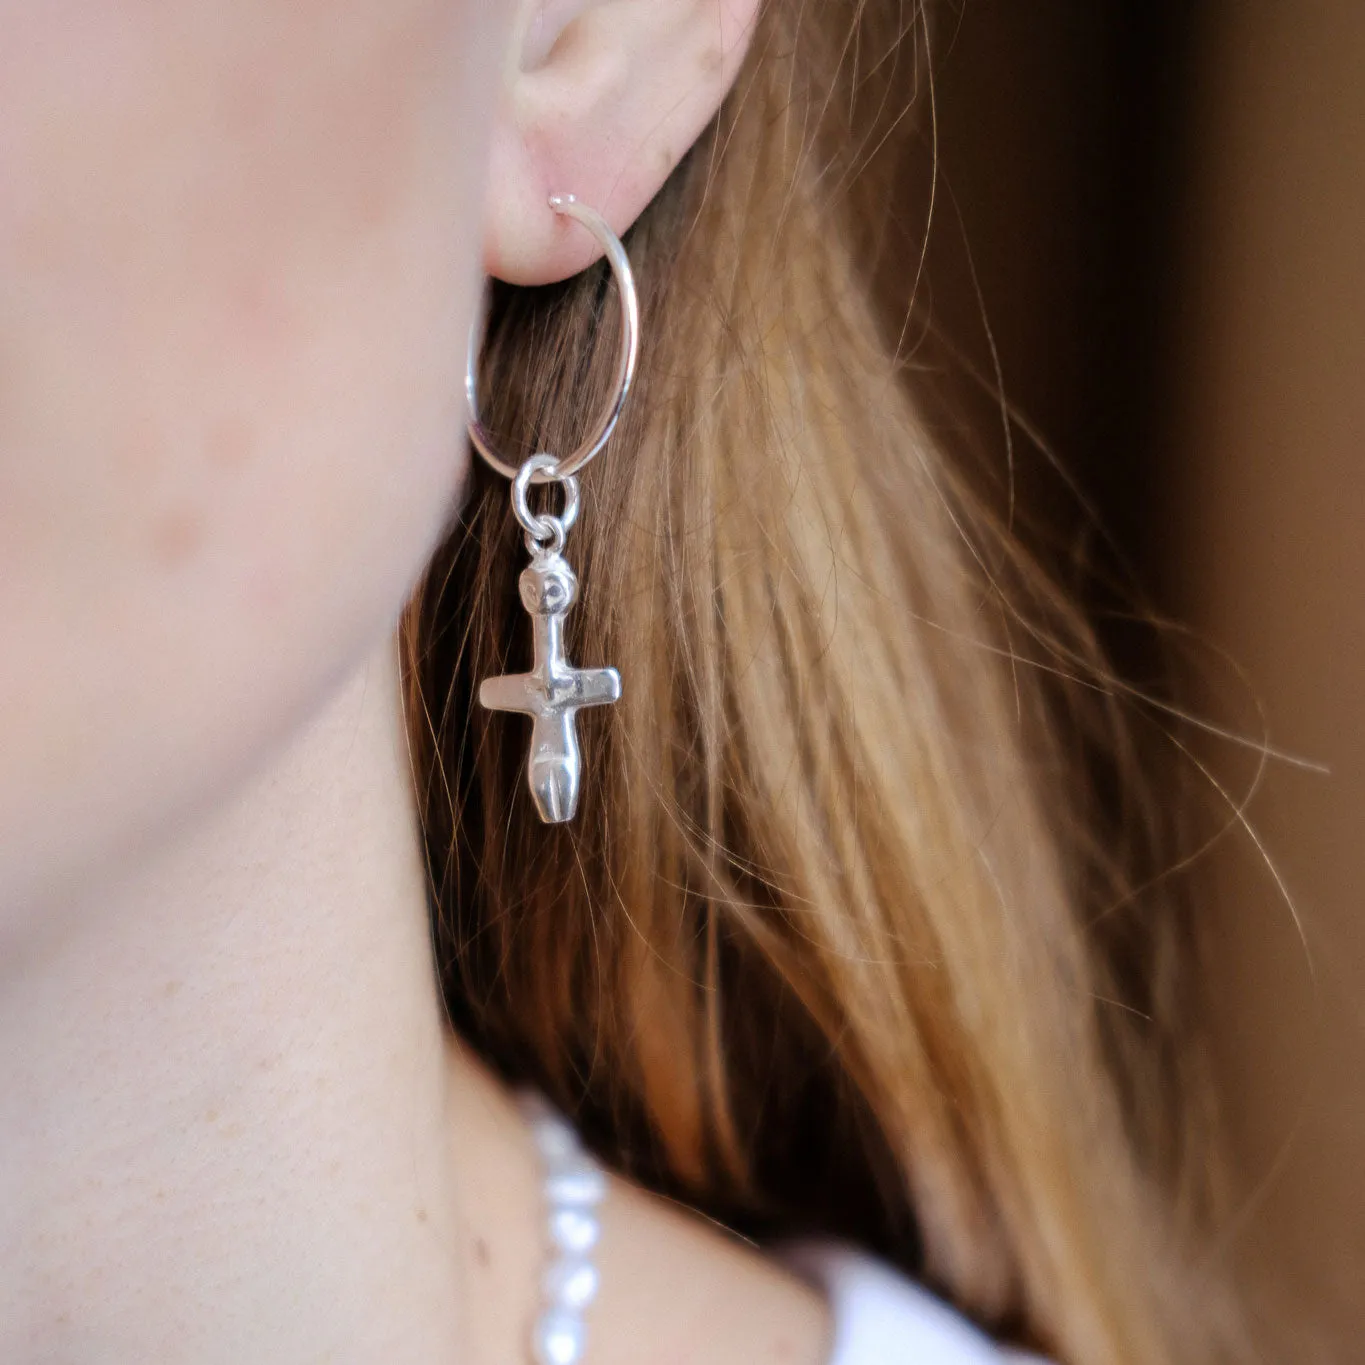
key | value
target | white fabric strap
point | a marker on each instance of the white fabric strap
(881, 1318)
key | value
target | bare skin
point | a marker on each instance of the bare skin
(236, 1127)
(240, 246)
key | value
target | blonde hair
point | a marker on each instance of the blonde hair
(814, 954)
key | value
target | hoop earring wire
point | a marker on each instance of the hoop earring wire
(483, 440)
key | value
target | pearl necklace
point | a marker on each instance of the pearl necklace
(574, 1188)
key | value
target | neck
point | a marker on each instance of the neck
(547, 639)
(225, 1094)
(235, 1127)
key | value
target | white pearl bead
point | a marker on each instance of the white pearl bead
(559, 1339)
(578, 1181)
(574, 1231)
(573, 1187)
(556, 1140)
(571, 1283)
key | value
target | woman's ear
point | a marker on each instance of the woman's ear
(601, 100)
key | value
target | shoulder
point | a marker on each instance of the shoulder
(881, 1318)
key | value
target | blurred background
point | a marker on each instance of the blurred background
(1151, 218)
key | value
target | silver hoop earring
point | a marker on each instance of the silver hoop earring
(554, 691)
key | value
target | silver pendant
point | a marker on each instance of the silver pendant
(554, 691)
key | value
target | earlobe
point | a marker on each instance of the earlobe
(604, 100)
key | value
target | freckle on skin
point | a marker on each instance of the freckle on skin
(713, 61)
(175, 537)
(482, 1253)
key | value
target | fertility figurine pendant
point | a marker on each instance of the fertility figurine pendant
(554, 691)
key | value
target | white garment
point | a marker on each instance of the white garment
(881, 1318)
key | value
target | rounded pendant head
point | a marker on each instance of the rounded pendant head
(548, 585)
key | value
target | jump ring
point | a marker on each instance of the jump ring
(543, 526)
(479, 435)
(553, 543)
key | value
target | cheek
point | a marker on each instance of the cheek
(238, 253)
(219, 222)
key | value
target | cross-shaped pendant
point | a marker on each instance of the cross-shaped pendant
(553, 692)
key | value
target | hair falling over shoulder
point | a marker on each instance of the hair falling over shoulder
(815, 954)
